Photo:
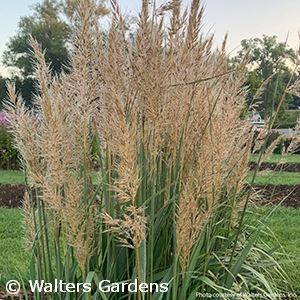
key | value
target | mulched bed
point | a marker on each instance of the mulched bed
(11, 195)
(281, 194)
(5, 296)
(285, 195)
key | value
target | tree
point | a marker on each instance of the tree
(52, 33)
(51, 26)
(267, 57)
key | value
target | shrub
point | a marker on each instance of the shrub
(172, 152)
(273, 136)
(290, 119)
(8, 153)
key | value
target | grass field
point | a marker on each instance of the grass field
(17, 177)
(13, 257)
(11, 177)
(276, 158)
(275, 178)
(282, 232)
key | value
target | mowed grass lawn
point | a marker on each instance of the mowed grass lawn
(282, 221)
(281, 232)
(14, 259)
(11, 177)
(275, 178)
(276, 158)
(17, 177)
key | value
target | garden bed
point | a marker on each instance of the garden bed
(21, 296)
(11, 195)
(285, 195)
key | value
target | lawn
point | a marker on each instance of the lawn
(276, 158)
(17, 177)
(282, 231)
(275, 178)
(11, 177)
(13, 257)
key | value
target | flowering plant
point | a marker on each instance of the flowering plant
(3, 119)
(8, 154)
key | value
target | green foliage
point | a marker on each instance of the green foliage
(49, 29)
(276, 158)
(14, 259)
(254, 81)
(8, 153)
(49, 26)
(275, 178)
(289, 120)
(271, 138)
(26, 87)
(3, 91)
(11, 177)
(267, 61)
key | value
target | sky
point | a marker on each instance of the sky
(241, 19)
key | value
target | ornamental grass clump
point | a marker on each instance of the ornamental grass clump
(164, 113)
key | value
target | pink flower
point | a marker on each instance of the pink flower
(3, 118)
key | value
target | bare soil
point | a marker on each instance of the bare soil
(20, 296)
(281, 194)
(11, 195)
(285, 195)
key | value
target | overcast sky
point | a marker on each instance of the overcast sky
(239, 18)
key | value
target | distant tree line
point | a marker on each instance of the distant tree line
(268, 67)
